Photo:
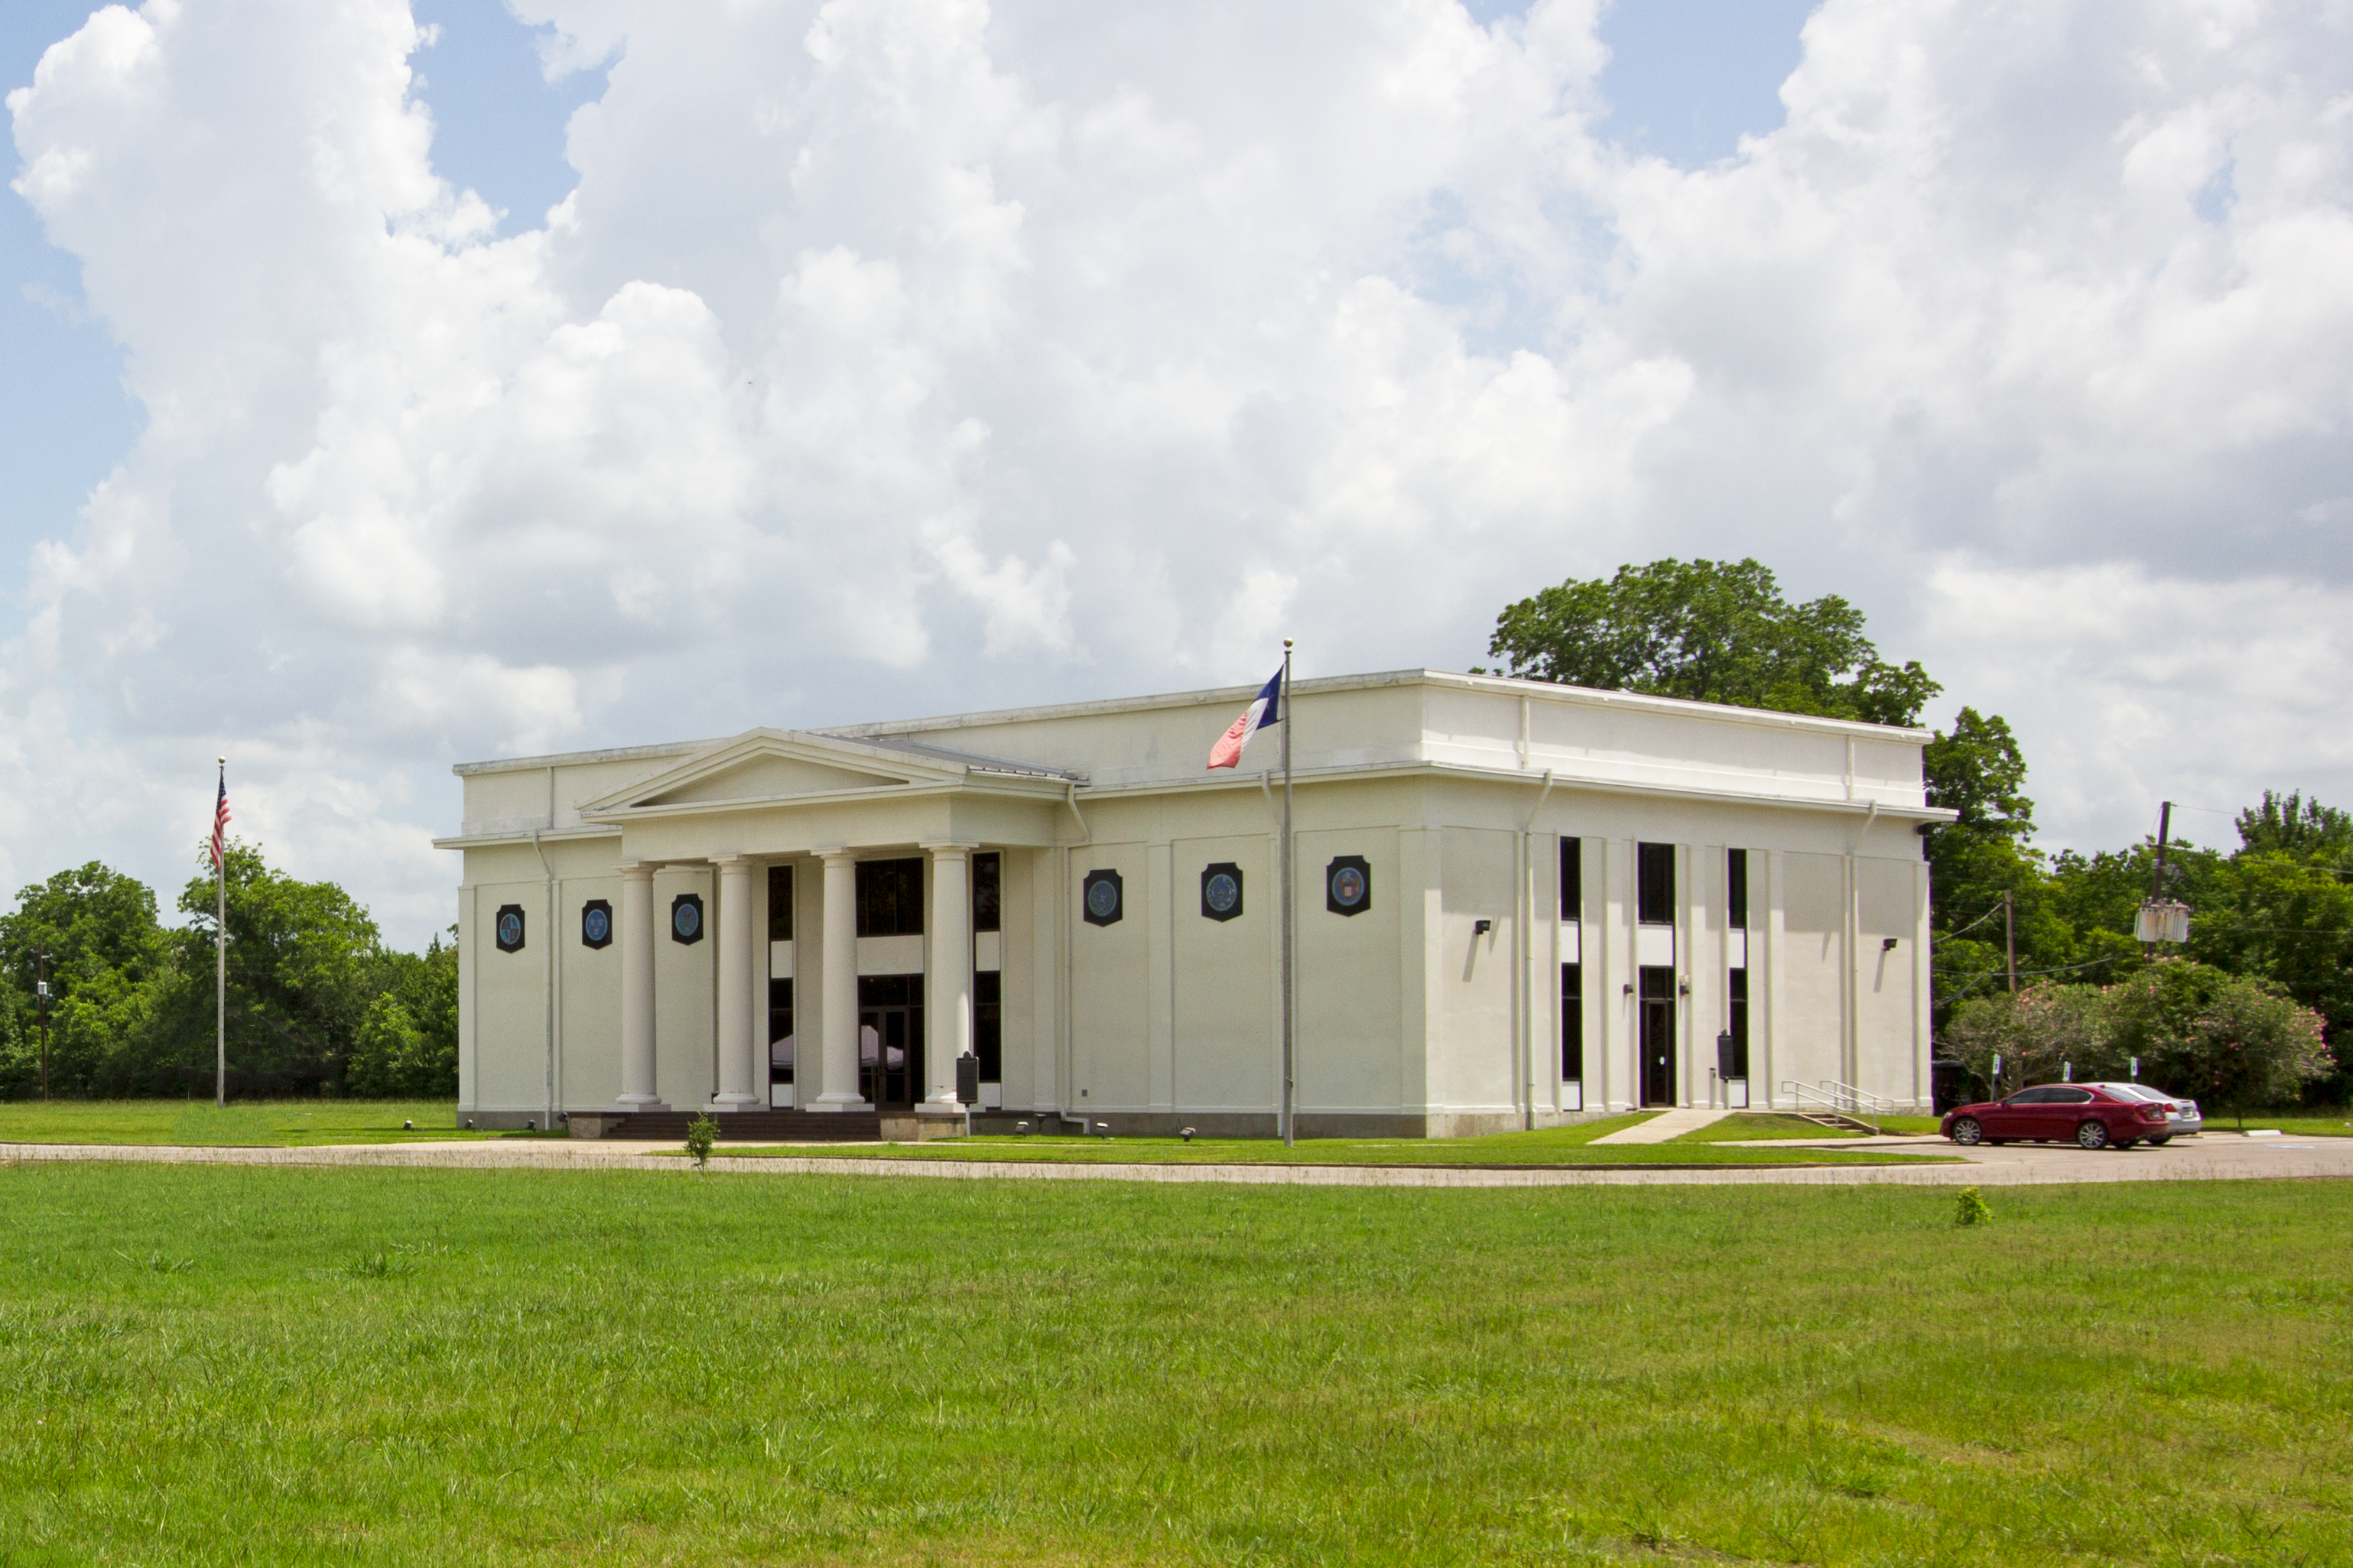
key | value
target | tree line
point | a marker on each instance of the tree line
(2256, 1007)
(317, 1003)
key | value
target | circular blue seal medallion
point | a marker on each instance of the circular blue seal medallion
(1222, 892)
(686, 920)
(596, 925)
(511, 930)
(1349, 887)
(1101, 898)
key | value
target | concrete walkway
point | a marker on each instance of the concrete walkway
(1665, 1127)
(2214, 1157)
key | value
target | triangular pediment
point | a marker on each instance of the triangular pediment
(774, 765)
(765, 776)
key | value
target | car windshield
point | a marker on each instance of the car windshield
(2132, 1091)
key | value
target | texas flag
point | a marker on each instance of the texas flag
(1264, 710)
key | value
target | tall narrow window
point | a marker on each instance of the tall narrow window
(889, 897)
(1655, 880)
(987, 891)
(1572, 877)
(1735, 881)
(1572, 1022)
(780, 1031)
(988, 1024)
(780, 903)
(1739, 992)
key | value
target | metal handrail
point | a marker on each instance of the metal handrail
(1840, 1100)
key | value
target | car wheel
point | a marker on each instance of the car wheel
(1967, 1132)
(2160, 1142)
(2092, 1135)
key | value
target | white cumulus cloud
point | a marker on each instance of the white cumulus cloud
(904, 355)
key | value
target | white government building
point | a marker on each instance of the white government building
(1516, 903)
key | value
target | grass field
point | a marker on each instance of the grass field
(2295, 1124)
(269, 1121)
(289, 1365)
(1572, 1145)
(1761, 1126)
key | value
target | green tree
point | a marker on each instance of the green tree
(2228, 1040)
(406, 1047)
(2291, 825)
(1975, 862)
(105, 953)
(2039, 1033)
(1711, 632)
(304, 967)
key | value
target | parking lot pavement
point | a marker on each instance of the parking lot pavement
(2225, 1155)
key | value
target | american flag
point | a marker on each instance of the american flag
(220, 821)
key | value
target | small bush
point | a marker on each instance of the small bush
(1972, 1209)
(701, 1134)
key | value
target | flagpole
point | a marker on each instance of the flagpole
(1289, 1129)
(220, 955)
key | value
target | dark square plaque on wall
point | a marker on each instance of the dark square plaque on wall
(1347, 885)
(1102, 897)
(1221, 890)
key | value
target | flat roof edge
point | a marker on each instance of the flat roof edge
(1501, 685)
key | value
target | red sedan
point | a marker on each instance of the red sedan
(2080, 1114)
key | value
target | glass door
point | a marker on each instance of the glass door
(890, 1038)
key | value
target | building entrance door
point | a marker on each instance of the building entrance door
(1657, 1033)
(890, 1038)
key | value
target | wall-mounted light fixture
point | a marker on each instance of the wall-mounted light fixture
(1480, 928)
(1888, 945)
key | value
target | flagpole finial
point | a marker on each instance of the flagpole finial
(1286, 642)
(222, 761)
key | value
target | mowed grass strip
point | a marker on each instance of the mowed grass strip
(278, 1122)
(286, 1365)
(1503, 1148)
(1761, 1126)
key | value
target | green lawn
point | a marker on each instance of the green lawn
(1321, 1151)
(2297, 1124)
(289, 1365)
(1752, 1126)
(268, 1122)
(1572, 1145)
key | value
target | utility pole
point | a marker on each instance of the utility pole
(2164, 825)
(2009, 937)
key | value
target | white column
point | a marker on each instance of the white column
(735, 982)
(947, 1009)
(838, 1024)
(636, 936)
